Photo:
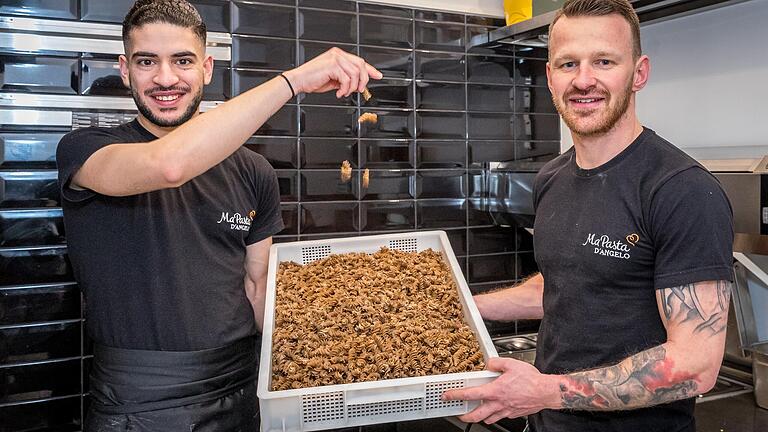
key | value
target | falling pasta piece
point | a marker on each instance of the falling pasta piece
(366, 178)
(368, 117)
(346, 171)
(367, 94)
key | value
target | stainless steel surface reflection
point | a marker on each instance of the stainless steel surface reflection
(510, 194)
(521, 347)
(77, 36)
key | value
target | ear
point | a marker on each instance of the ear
(208, 69)
(549, 78)
(124, 71)
(642, 73)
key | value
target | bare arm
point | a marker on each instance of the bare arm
(695, 317)
(522, 301)
(256, 263)
(207, 139)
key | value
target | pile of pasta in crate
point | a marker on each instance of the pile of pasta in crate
(355, 317)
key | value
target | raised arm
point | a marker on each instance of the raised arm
(523, 301)
(209, 138)
(687, 364)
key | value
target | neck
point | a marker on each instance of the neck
(158, 131)
(595, 150)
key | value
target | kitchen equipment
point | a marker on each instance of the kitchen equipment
(750, 299)
(355, 404)
(533, 32)
(745, 181)
(760, 372)
(80, 58)
(520, 347)
(510, 192)
(75, 36)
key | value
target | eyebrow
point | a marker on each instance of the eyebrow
(572, 57)
(606, 54)
(153, 55)
(561, 58)
(184, 54)
(144, 54)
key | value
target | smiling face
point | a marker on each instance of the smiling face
(592, 72)
(165, 67)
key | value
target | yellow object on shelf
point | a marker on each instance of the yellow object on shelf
(517, 10)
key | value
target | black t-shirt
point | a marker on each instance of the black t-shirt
(164, 270)
(606, 239)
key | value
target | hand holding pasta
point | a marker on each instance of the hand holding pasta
(357, 317)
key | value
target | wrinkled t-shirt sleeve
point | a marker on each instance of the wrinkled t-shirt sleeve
(692, 228)
(268, 219)
(535, 191)
(73, 150)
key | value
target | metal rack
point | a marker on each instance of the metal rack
(533, 32)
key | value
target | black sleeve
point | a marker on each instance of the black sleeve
(547, 172)
(535, 192)
(268, 219)
(72, 152)
(692, 229)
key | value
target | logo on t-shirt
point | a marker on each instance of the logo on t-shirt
(603, 245)
(237, 221)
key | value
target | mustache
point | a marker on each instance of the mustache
(593, 93)
(149, 92)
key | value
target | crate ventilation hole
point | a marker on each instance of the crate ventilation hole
(405, 245)
(313, 253)
(384, 408)
(322, 407)
(435, 390)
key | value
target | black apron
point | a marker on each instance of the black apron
(126, 382)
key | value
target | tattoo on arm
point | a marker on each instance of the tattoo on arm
(647, 378)
(681, 304)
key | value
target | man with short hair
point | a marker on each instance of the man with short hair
(169, 223)
(633, 239)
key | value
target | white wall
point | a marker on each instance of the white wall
(709, 80)
(492, 8)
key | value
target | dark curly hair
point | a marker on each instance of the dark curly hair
(176, 12)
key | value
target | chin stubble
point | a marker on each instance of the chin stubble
(192, 108)
(609, 121)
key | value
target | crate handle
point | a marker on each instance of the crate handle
(368, 396)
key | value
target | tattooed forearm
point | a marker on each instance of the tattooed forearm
(644, 379)
(682, 305)
(692, 314)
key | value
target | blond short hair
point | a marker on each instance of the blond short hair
(580, 8)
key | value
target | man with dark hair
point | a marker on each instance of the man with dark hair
(176, 12)
(633, 239)
(169, 223)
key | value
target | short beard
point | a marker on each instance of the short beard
(613, 115)
(157, 121)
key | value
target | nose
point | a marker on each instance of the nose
(585, 78)
(166, 76)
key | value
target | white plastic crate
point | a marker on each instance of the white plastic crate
(342, 405)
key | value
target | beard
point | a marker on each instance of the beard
(144, 109)
(607, 119)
